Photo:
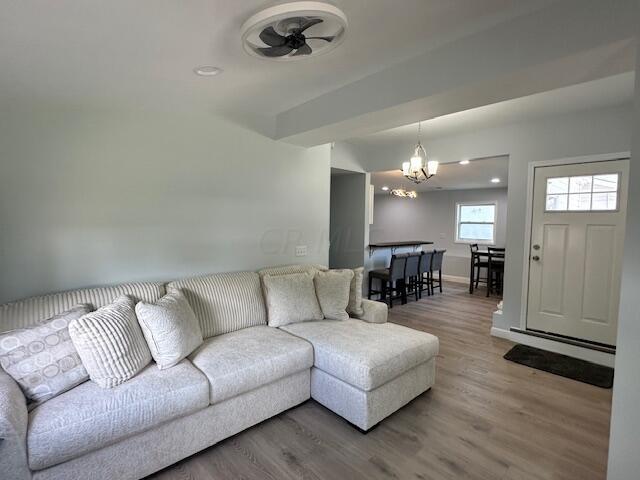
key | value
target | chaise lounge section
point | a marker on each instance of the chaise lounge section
(244, 372)
(365, 372)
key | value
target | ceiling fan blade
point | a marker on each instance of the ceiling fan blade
(279, 51)
(303, 50)
(310, 23)
(272, 38)
(327, 39)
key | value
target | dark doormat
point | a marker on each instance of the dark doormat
(562, 365)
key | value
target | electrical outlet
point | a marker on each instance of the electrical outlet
(443, 236)
(301, 250)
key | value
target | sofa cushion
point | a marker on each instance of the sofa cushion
(31, 310)
(88, 417)
(110, 343)
(224, 302)
(365, 355)
(291, 298)
(170, 328)
(241, 361)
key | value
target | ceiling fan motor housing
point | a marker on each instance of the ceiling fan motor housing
(293, 31)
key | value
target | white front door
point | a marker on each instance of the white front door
(575, 262)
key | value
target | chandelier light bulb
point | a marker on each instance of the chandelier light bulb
(432, 167)
(416, 164)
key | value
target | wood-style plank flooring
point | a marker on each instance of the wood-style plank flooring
(485, 418)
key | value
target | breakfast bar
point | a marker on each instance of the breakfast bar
(393, 246)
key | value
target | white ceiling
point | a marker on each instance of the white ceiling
(609, 91)
(140, 54)
(451, 176)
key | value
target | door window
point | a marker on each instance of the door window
(582, 193)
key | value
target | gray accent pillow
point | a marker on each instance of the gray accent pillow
(170, 327)
(110, 343)
(291, 299)
(42, 358)
(355, 295)
(332, 290)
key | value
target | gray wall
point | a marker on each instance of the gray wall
(624, 461)
(347, 219)
(91, 198)
(597, 131)
(346, 157)
(432, 216)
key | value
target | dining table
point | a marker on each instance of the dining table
(478, 255)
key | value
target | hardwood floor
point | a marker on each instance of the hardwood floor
(485, 418)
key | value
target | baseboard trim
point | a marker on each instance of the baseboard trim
(453, 278)
(590, 355)
(570, 341)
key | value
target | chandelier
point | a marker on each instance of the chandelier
(401, 192)
(414, 169)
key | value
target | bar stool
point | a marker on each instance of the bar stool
(425, 272)
(412, 273)
(495, 272)
(436, 266)
(476, 265)
(392, 279)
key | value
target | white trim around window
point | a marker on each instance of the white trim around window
(481, 241)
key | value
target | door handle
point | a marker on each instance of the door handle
(536, 247)
(535, 258)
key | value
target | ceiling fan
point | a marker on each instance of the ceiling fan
(293, 31)
(281, 45)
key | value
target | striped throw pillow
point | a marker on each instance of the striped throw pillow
(110, 343)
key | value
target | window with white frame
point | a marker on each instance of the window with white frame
(476, 222)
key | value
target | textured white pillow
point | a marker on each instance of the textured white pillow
(110, 343)
(332, 290)
(170, 327)
(291, 299)
(42, 358)
(355, 294)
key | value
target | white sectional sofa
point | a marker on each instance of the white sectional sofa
(363, 369)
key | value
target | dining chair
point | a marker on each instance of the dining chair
(391, 279)
(425, 273)
(436, 266)
(477, 264)
(495, 272)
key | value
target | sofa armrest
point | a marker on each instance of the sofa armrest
(374, 312)
(13, 430)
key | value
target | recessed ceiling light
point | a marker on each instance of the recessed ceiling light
(207, 71)
(495, 180)
(385, 188)
(464, 162)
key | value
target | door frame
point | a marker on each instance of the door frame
(606, 157)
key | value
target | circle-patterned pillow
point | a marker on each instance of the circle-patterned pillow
(42, 358)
